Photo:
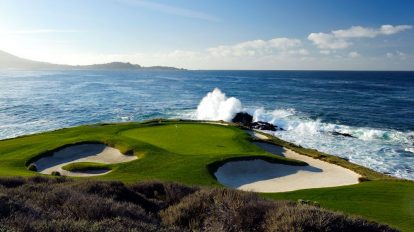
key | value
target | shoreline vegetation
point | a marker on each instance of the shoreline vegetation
(190, 152)
(63, 204)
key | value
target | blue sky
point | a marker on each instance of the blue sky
(195, 34)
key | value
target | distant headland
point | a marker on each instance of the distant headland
(12, 62)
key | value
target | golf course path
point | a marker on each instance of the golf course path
(91, 152)
(262, 176)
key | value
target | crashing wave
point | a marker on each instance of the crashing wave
(216, 106)
(384, 150)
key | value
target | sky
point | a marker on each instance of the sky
(214, 34)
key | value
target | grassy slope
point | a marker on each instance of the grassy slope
(176, 151)
(386, 201)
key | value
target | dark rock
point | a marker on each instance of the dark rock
(243, 119)
(345, 158)
(246, 120)
(342, 134)
(259, 125)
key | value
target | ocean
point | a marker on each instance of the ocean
(376, 108)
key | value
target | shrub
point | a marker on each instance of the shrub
(363, 179)
(228, 210)
(73, 205)
(55, 173)
(170, 193)
(32, 167)
(12, 182)
(39, 179)
(129, 152)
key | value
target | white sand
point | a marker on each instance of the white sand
(262, 176)
(91, 152)
(257, 135)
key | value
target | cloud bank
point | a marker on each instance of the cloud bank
(319, 51)
(339, 39)
(258, 47)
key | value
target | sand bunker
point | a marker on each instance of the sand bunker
(90, 152)
(257, 135)
(262, 176)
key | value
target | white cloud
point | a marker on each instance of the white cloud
(354, 54)
(284, 43)
(397, 54)
(361, 32)
(389, 29)
(327, 41)
(338, 39)
(389, 55)
(355, 32)
(277, 53)
(401, 55)
(260, 47)
(302, 52)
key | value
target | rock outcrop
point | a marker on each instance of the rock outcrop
(246, 120)
(259, 125)
(243, 119)
(342, 134)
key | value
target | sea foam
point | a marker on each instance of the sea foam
(384, 150)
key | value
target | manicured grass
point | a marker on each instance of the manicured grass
(192, 139)
(172, 151)
(85, 166)
(387, 201)
(187, 152)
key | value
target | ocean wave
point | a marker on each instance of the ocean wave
(379, 149)
(409, 149)
(384, 150)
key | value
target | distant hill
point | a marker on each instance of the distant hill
(9, 61)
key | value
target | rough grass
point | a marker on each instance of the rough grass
(62, 204)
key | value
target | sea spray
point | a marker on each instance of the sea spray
(375, 148)
(216, 106)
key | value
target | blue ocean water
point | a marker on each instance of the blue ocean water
(377, 108)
